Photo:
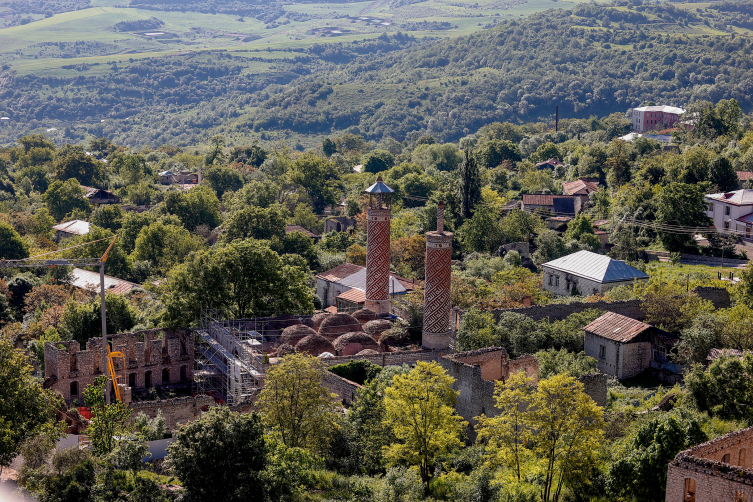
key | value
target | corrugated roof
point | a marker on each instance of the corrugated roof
(340, 272)
(75, 227)
(353, 295)
(85, 279)
(538, 200)
(358, 280)
(617, 327)
(579, 187)
(737, 198)
(748, 218)
(596, 267)
(663, 108)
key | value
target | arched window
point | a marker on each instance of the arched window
(147, 379)
(689, 495)
(74, 388)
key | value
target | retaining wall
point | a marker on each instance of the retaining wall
(177, 411)
(346, 390)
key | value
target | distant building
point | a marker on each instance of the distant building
(331, 285)
(624, 347)
(581, 186)
(100, 196)
(338, 224)
(297, 228)
(89, 281)
(560, 205)
(549, 164)
(731, 212)
(743, 176)
(181, 178)
(648, 118)
(71, 228)
(588, 273)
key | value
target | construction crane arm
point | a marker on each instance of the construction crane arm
(111, 370)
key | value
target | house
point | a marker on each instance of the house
(297, 228)
(71, 228)
(100, 196)
(549, 164)
(338, 224)
(181, 178)
(588, 273)
(330, 285)
(581, 186)
(648, 118)
(560, 205)
(167, 177)
(89, 281)
(744, 176)
(624, 347)
(731, 212)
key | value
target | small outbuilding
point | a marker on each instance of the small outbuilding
(588, 273)
(72, 228)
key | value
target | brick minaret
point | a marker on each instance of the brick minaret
(378, 248)
(437, 305)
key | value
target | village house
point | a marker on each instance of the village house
(100, 196)
(89, 281)
(743, 176)
(649, 118)
(581, 186)
(338, 224)
(731, 212)
(72, 228)
(588, 273)
(180, 178)
(330, 285)
(297, 228)
(549, 164)
(624, 347)
(560, 205)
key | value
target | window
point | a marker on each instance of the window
(557, 281)
(567, 286)
(689, 490)
(726, 225)
(74, 388)
(550, 279)
(165, 376)
(726, 210)
(132, 380)
(183, 373)
(741, 457)
(711, 208)
(725, 458)
(148, 379)
(602, 352)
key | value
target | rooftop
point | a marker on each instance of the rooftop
(742, 197)
(617, 327)
(85, 279)
(744, 175)
(550, 162)
(579, 187)
(596, 267)
(353, 295)
(75, 227)
(339, 272)
(297, 228)
(663, 108)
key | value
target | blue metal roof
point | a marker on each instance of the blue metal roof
(596, 267)
(379, 187)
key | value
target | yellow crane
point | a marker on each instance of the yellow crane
(36, 261)
(111, 368)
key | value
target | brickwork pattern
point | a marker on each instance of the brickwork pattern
(720, 470)
(378, 254)
(163, 357)
(437, 304)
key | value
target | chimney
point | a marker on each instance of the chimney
(378, 248)
(437, 302)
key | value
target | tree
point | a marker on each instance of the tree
(117, 264)
(71, 161)
(256, 223)
(243, 278)
(444, 157)
(722, 174)
(724, 389)
(109, 421)
(255, 193)
(569, 431)
(681, 204)
(377, 161)
(550, 246)
(581, 230)
(553, 362)
(508, 431)
(164, 246)
(329, 147)
(482, 231)
(82, 321)
(297, 243)
(107, 216)
(420, 411)
(470, 185)
(356, 254)
(518, 226)
(129, 453)
(252, 155)
(226, 447)
(477, 330)
(640, 472)
(495, 152)
(63, 197)
(295, 402)
(215, 153)
(131, 168)
(198, 206)
(222, 179)
(318, 178)
(25, 408)
(12, 247)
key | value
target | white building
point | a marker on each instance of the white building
(349, 277)
(648, 118)
(731, 211)
(72, 228)
(588, 273)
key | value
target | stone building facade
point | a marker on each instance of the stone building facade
(716, 471)
(152, 358)
(437, 302)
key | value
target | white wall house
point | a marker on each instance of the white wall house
(648, 118)
(731, 212)
(588, 273)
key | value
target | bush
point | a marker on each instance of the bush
(357, 371)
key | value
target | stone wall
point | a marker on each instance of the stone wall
(163, 357)
(388, 358)
(634, 358)
(346, 390)
(629, 308)
(177, 411)
(595, 385)
(719, 470)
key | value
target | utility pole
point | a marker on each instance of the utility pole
(35, 261)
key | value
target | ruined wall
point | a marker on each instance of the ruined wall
(476, 394)
(719, 469)
(629, 308)
(346, 390)
(388, 358)
(163, 357)
(177, 411)
(595, 385)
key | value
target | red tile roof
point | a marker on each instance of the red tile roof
(550, 162)
(744, 175)
(617, 327)
(538, 200)
(340, 272)
(353, 295)
(579, 187)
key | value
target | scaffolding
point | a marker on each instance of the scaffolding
(229, 359)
